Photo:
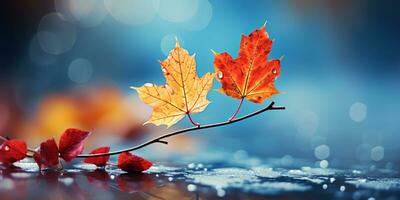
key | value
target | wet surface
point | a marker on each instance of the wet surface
(199, 181)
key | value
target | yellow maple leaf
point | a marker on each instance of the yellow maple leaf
(184, 92)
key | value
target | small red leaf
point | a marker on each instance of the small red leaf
(47, 154)
(71, 143)
(12, 151)
(99, 160)
(132, 163)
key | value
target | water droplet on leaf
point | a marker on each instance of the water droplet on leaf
(220, 75)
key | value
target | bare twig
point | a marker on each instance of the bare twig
(195, 128)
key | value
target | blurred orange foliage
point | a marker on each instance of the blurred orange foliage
(103, 110)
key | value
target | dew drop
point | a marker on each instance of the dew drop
(148, 84)
(6, 148)
(191, 165)
(220, 75)
(332, 179)
(342, 188)
(164, 70)
(220, 192)
(170, 179)
(191, 188)
(324, 186)
(274, 71)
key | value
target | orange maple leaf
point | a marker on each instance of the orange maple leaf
(251, 75)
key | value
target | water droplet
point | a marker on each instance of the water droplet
(157, 175)
(205, 169)
(66, 181)
(324, 164)
(220, 192)
(324, 186)
(332, 179)
(274, 71)
(220, 75)
(164, 70)
(191, 165)
(6, 148)
(148, 84)
(342, 188)
(191, 188)
(112, 177)
(170, 179)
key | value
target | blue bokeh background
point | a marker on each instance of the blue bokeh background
(339, 79)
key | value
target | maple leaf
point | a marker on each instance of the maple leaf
(47, 154)
(133, 163)
(71, 143)
(184, 92)
(251, 75)
(12, 151)
(99, 160)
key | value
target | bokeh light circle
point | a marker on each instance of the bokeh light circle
(132, 12)
(324, 164)
(377, 153)
(358, 112)
(88, 13)
(202, 17)
(178, 10)
(80, 70)
(74, 10)
(322, 152)
(56, 36)
(168, 43)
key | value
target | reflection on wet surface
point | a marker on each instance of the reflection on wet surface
(198, 181)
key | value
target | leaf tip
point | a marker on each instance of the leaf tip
(177, 45)
(214, 52)
(133, 88)
(265, 24)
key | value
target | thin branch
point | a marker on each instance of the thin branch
(237, 110)
(159, 139)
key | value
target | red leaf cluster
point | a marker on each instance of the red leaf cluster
(12, 151)
(69, 147)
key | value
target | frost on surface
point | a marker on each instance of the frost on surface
(379, 184)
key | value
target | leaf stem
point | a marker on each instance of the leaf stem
(191, 120)
(237, 110)
(195, 128)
